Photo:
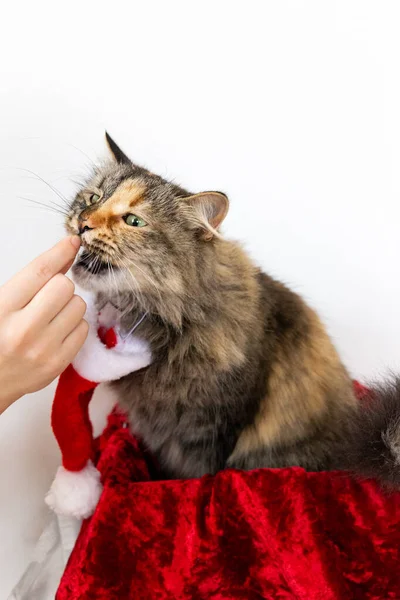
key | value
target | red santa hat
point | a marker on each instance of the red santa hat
(105, 356)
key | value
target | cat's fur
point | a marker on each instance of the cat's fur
(243, 373)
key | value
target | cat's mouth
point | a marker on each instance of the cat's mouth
(92, 264)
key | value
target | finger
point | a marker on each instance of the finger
(49, 301)
(67, 319)
(74, 342)
(20, 290)
(67, 266)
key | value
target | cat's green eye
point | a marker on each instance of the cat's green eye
(134, 221)
(94, 198)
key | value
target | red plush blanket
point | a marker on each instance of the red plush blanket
(270, 533)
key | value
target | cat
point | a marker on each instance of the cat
(243, 374)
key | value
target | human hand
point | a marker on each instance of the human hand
(41, 323)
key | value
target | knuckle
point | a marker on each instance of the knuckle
(36, 355)
(14, 340)
(44, 271)
(79, 304)
(84, 325)
(32, 355)
(17, 341)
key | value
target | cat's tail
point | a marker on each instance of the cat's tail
(373, 448)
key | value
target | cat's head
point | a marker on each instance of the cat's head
(139, 232)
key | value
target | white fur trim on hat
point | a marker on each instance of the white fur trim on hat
(95, 362)
(75, 493)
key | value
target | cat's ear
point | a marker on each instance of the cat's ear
(116, 151)
(210, 209)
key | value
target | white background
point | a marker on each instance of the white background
(292, 108)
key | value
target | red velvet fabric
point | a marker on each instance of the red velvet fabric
(271, 533)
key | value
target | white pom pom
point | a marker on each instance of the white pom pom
(75, 493)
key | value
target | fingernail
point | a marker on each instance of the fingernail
(75, 241)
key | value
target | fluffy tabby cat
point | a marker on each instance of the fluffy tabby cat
(244, 374)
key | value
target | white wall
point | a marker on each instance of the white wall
(291, 107)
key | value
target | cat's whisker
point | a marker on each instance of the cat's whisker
(135, 291)
(48, 209)
(93, 263)
(116, 285)
(56, 208)
(54, 189)
(126, 271)
(83, 153)
(123, 270)
(97, 265)
(112, 278)
(109, 272)
(54, 204)
(146, 276)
